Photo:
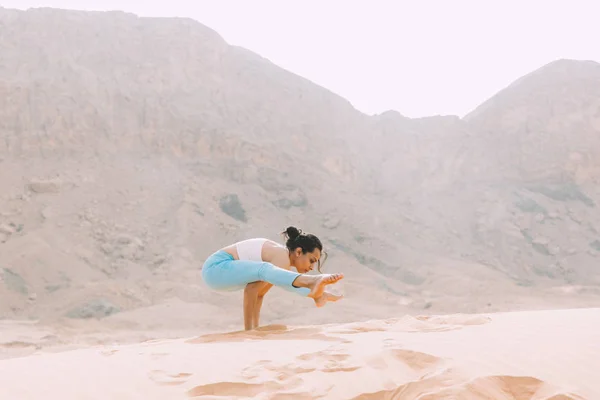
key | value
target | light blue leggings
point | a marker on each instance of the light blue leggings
(222, 272)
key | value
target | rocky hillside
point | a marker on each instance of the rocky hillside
(131, 148)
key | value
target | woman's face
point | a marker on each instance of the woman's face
(305, 262)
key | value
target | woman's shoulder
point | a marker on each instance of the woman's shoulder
(274, 247)
(275, 253)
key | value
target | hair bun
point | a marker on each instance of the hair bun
(293, 232)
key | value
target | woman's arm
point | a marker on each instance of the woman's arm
(263, 288)
(253, 299)
(255, 292)
(250, 303)
(256, 315)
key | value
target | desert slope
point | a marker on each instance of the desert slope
(131, 148)
(512, 356)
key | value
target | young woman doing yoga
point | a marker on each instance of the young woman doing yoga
(255, 265)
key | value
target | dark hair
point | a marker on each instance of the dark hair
(306, 241)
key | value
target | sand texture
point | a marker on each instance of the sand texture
(522, 355)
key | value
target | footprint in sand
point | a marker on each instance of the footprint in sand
(255, 370)
(504, 388)
(323, 355)
(233, 389)
(156, 356)
(164, 378)
(109, 353)
(391, 342)
(448, 384)
(412, 324)
(286, 382)
(414, 360)
(417, 389)
(455, 319)
(294, 396)
(329, 361)
(436, 323)
(362, 327)
(288, 373)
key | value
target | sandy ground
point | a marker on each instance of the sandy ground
(530, 355)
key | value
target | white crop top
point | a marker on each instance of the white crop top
(250, 249)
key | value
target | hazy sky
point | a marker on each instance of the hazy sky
(417, 57)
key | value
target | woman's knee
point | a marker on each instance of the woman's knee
(264, 268)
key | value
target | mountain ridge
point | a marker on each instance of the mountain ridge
(131, 153)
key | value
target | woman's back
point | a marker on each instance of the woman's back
(250, 249)
(255, 249)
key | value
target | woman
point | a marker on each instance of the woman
(257, 264)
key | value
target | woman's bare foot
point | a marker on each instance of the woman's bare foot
(317, 287)
(321, 301)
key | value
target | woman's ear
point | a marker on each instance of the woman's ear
(298, 251)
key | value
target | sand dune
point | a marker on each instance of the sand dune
(537, 355)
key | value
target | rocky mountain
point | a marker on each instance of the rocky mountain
(131, 148)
